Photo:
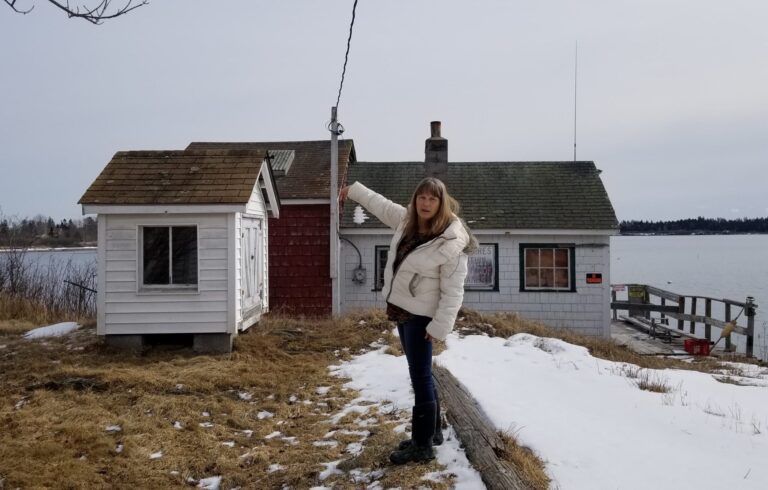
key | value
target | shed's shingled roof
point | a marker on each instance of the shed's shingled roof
(309, 175)
(177, 177)
(500, 195)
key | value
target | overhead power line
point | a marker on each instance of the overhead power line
(346, 55)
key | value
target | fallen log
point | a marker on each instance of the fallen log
(476, 433)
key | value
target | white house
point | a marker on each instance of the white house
(544, 230)
(182, 244)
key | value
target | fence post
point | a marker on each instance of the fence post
(681, 311)
(613, 300)
(727, 319)
(708, 314)
(749, 310)
(663, 318)
(693, 313)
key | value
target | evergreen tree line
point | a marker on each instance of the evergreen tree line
(698, 225)
(43, 231)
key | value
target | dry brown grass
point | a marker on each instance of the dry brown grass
(58, 396)
(528, 464)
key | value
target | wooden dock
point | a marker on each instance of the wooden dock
(676, 316)
(639, 341)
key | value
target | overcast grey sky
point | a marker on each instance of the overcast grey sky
(673, 95)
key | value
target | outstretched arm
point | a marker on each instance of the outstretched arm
(388, 212)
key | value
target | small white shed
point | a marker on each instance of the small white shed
(182, 244)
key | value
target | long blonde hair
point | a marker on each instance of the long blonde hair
(446, 213)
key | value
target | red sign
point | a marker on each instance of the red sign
(594, 278)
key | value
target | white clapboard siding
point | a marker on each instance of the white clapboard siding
(164, 328)
(167, 297)
(213, 275)
(256, 205)
(191, 305)
(130, 309)
(122, 245)
(160, 317)
(122, 275)
(586, 311)
(121, 265)
(121, 255)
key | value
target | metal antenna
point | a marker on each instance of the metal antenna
(575, 94)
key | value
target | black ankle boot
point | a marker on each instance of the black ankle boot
(423, 431)
(437, 438)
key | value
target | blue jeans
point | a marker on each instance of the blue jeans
(418, 352)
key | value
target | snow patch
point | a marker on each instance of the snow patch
(55, 330)
(323, 390)
(210, 483)
(330, 469)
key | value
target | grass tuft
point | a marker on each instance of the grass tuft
(529, 465)
(653, 382)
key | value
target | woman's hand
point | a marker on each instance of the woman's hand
(343, 194)
(428, 337)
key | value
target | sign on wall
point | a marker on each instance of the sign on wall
(594, 278)
(482, 268)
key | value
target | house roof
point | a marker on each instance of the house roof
(500, 195)
(218, 176)
(308, 175)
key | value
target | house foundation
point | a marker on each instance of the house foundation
(212, 343)
(125, 342)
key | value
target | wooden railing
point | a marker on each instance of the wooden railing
(642, 300)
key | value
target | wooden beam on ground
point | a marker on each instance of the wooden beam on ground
(476, 433)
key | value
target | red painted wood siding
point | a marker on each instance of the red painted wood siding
(299, 262)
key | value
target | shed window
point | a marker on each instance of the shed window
(547, 268)
(169, 255)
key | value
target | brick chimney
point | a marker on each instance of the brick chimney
(436, 153)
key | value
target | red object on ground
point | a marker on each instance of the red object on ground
(696, 347)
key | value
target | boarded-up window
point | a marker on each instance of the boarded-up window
(547, 268)
(169, 255)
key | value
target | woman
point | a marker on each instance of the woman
(424, 288)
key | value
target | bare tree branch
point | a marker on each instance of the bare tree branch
(95, 15)
(12, 4)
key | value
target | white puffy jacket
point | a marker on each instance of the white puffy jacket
(430, 279)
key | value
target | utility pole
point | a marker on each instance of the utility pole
(334, 231)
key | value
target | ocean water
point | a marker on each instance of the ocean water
(717, 266)
(61, 256)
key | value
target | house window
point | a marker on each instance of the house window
(547, 267)
(482, 270)
(169, 255)
(381, 263)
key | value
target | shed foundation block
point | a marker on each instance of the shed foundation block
(126, 342)
(215, 343)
